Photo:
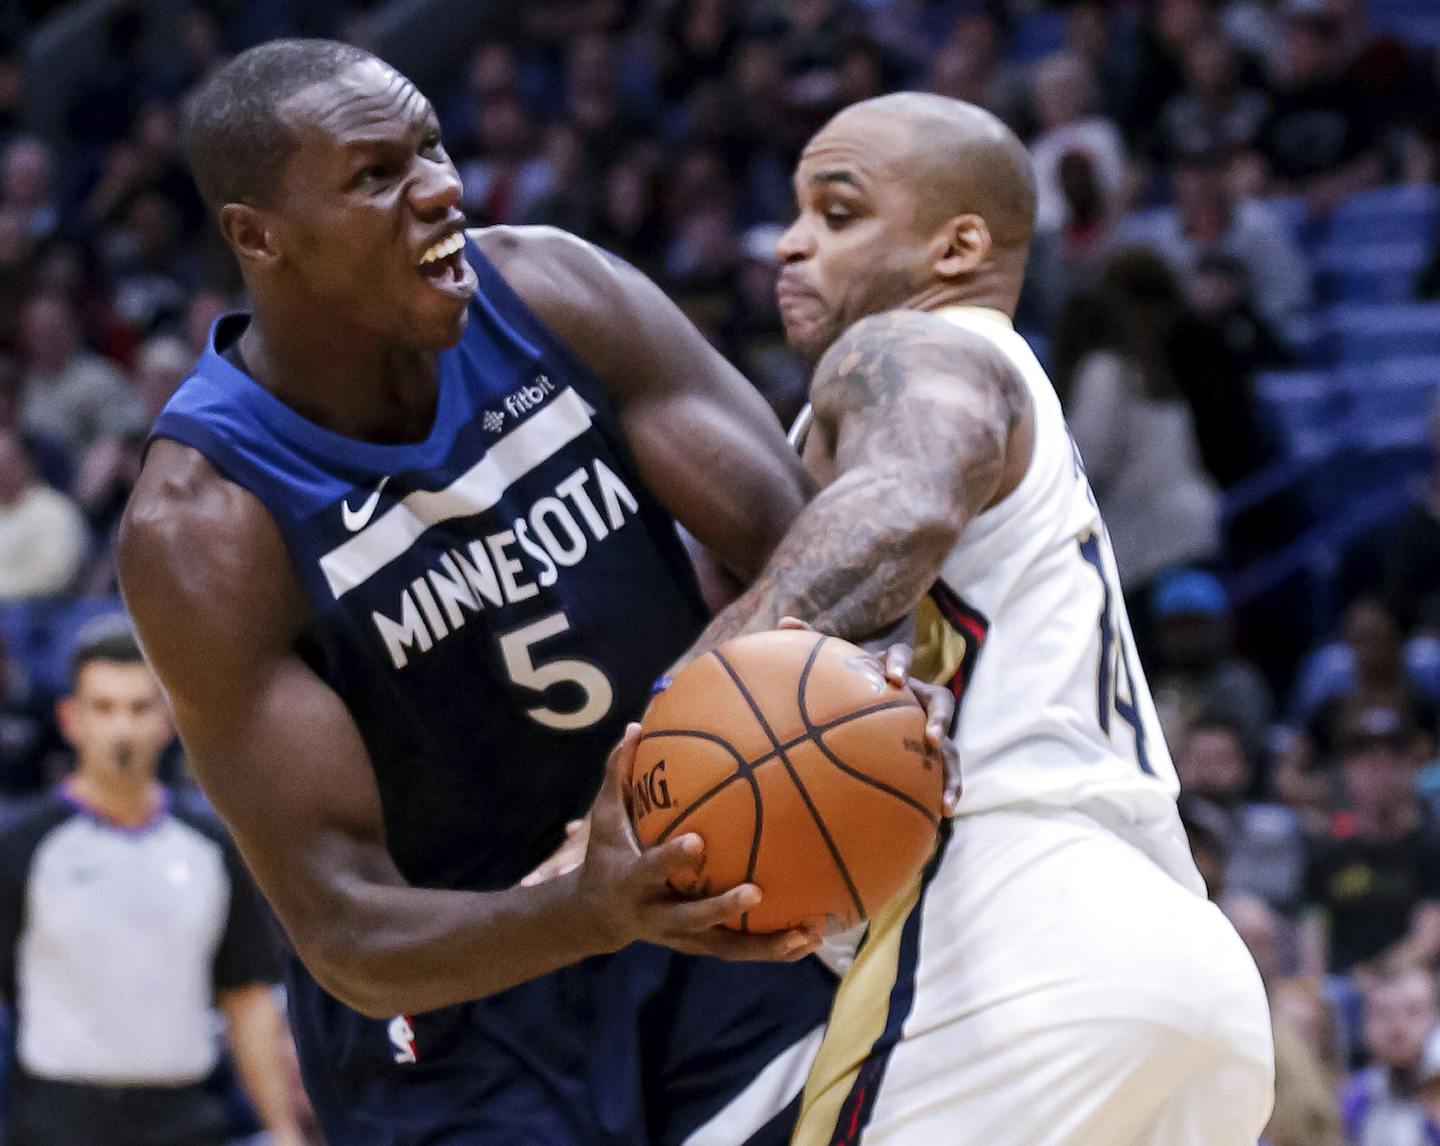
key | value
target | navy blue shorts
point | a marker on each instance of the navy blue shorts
(641, 1048)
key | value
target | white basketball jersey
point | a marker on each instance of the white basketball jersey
(1056, 709)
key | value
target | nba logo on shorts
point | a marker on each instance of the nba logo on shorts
(402, 1035)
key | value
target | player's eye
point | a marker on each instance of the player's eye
(837, 217)
(375, 173)
(432, 143)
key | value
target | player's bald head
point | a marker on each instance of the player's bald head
(957, 159)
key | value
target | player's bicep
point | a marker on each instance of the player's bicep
(209, 586)
(705, 442)
(930, 406)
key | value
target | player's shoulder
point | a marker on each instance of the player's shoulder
(199, 553)
(882, 354)
(181, 500)
(547, 266)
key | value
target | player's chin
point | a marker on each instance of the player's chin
(437, 326)
(807, 336)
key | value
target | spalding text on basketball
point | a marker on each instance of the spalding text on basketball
(651, 791)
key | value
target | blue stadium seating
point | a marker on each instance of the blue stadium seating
(1359, 332)
(1036, 35)
(1391, 392)
(1388, 215)
(40, 635)
(1416, 21)
(1303, 406)
(1370, 272)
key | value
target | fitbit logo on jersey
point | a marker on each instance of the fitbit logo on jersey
(511, 564)
(526, 398)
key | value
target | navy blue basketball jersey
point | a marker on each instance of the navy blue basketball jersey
(492, 603)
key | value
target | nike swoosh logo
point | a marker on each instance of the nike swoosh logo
(357, 519)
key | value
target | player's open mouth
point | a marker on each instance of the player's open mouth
(444, 266)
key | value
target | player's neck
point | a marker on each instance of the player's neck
(345, 382)
(129, 801)
(987, 292)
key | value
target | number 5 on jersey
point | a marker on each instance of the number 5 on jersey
(517, 648)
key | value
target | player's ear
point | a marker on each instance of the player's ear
(248, 231)
(66, 716)
(965, 244)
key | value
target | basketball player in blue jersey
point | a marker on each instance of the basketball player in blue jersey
(403, 554)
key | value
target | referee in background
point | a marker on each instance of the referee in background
(125, 922)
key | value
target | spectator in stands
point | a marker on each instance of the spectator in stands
(1091, 33)
(1264, 847)
(1065, 102)
(26, 734)
(204, 308)
(1166, 29)
(152, 270)
(971, 65)
(27, 185)
(697, 40)
(43, 539)
(630, 223)
(1134, 428)
(1373, 675)
(1207, 220)
(1379, 1105)
(1320, 140)
(754, 329)
(124, 919)
(1372, 882)
(1306, 1112)
(510, 175)
(12, 91)
(1197, 671)
(1217, 113)
(1412, 555)
(68, 392)
(1427, 1083)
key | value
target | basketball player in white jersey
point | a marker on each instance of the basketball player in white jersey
(1057, 976)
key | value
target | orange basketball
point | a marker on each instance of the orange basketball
(804, 771)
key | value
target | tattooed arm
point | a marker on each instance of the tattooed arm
(918, 415)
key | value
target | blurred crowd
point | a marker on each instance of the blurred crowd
(1180, 147)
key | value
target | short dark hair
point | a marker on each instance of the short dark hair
(107, 640)
(234, 140)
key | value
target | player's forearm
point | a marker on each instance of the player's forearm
(859, 558)
(255, 1030)
(402, 950)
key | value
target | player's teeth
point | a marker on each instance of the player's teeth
(443, 249)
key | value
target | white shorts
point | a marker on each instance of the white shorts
(1047, 983)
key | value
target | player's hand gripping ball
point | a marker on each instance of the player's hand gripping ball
(802, 768)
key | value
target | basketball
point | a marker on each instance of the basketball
(804, 771)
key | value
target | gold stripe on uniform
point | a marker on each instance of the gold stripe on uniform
(939, 647)
(857, 1019)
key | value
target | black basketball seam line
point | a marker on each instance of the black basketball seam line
(742, 767)
(817, 734)
(741, 763)
(828, 726)
(795, 779)
(742, 770)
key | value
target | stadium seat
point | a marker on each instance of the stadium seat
(1303, 406)
(1402, 214)
(1416, 22)
(1365, 333)
(1036, 35)
(1370, 272)
(1390, 391)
